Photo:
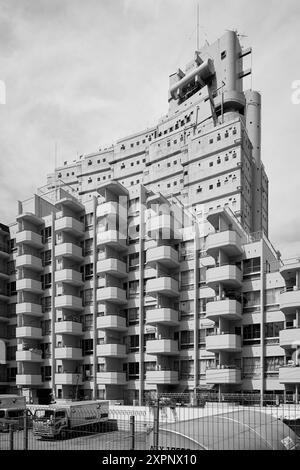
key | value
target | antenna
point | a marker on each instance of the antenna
(197, 45)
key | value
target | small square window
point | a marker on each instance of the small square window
(211, 186)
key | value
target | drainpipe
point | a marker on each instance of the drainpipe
(141, 297)
(53, 311)
(262, 321)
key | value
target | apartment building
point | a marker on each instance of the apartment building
(146, 266)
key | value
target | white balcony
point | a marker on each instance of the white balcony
(289, 338)
(28, 356)
(112, 266)
(113, 238)
(228, 241)
(289, 375)
(168, 347)
(227, 309)
(228, 275)
(28, 332)
(163, 285)
(70, 302)
(29, 261)
(223, 342)
(162, 377)
(29, 238)
(71, 225)
(165, 255)
(111, 378)
(111, 322)
(67, 352)
(111, 350)
(107, 208)
(28, 379)
(115, 295)
(163, 316)
(27, 308)
(68, 328)
(69, 250)
(289, 300)
(29, 285)
(69, 276)
(223, 375)
(68, 378)
(162, 225)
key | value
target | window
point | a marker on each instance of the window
(87, 371)
(218, 184)
(251, 265)
(46, 304)
(223, 55)
(88, 271)
(46, 234)
(251, 367)
(134, 343)
(46, 327)
(46, 373)
(87, 322)
(211, 163)
(46, 258)
(251, 334)
(199, 189)
(133, 316)
(133, 370)
(88, 247)
(46, 281)
(187, 340)
(88, 220)
(87, 347)
(88, 297)
(211, 186)
(187, 370)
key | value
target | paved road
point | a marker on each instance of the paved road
(101, 441)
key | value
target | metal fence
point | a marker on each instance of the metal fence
(171, 422)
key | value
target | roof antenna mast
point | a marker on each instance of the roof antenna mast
(198, 26)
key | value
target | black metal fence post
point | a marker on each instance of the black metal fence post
(25, 437)
(156, 425)
(11, 437)
(132, 433)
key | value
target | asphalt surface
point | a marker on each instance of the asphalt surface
(115, 440)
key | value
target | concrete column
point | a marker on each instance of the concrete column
(141, 294)
(95, 305)
(196, 304)
(53, 311)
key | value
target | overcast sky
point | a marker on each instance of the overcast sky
(85, 73)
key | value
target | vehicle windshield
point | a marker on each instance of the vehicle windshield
(43, 414)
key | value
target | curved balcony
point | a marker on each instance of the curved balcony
(289, 299)
(228, 275)
(114, 295)
(29, 356)
(111, 378)
(29, 238)
(29, 332)
(29, 285)
(227, 308)
(68, 352)
(112, 266)
(27, 308)
(68, 328)
(69, 225)
(69, 276)
(70, 302)
(68, 378)
(223, 375)
(111, 322)
(289, 375)
(228, 241)
(28, 380)
(160, 224)
(289, 338)
(166, 255)
(69, 250)
(162, 377)
(168, 347)
(162, 316)
(223, 342)
(107, 208)
(111, 350)
(29, 261)
(4, 251)
(163, 285)
(112, 238)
